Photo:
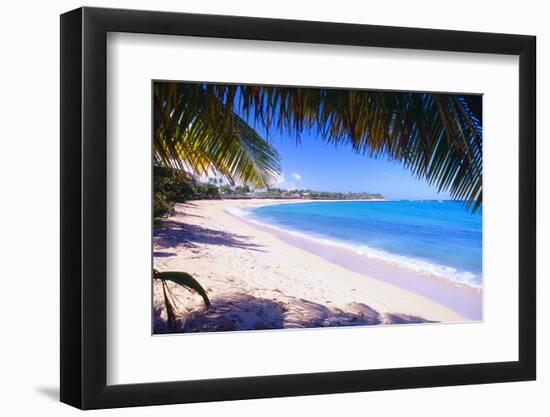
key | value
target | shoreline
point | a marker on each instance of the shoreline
(258, 280)
(259, 202)
(462, 298)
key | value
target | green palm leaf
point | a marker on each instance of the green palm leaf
(436, 136)
(198, 136)
(185, 280)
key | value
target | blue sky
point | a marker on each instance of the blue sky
(318, 165)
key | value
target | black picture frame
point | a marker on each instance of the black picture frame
(84, 207)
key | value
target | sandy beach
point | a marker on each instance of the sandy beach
(256, 279)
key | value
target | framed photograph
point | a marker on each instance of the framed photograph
(256, 208)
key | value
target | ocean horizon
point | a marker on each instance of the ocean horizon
(440, 238)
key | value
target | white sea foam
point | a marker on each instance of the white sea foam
(401, 261)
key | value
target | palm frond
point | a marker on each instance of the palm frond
(169, 307)
(185, 280)
(170, 300)
(438, 137)
(199, 136)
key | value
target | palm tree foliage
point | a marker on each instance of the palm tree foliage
(436, 136)
(199, 136)
(183, 279)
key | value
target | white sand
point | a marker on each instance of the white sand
(257, 281)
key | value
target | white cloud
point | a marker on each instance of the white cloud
(282, 182)
(280, 179)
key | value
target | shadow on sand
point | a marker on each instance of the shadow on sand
(174, 233)
(250, 313)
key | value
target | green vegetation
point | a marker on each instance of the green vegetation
(315, 195)
(171, 187)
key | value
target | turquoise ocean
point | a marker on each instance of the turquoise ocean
(438, 237)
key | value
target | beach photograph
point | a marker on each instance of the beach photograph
(290, 207)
